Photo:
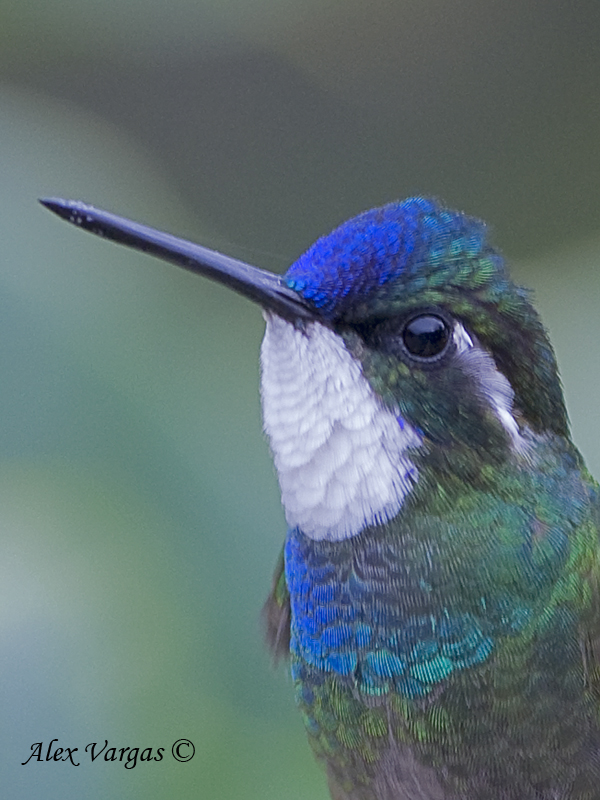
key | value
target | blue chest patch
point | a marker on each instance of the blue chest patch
(353, 620)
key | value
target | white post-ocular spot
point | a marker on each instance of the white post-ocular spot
(495, 389)
(341, 455)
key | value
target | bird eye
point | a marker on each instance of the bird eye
(426, 336)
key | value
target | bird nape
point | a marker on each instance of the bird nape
(437, 593)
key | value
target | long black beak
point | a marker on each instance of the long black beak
(265, 288)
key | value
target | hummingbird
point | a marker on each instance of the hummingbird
(437, 596)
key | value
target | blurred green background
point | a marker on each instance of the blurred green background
(139, 511)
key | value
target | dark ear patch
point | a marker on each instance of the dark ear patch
(276, 615)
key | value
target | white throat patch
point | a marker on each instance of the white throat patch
(341, 455)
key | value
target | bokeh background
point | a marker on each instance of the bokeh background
(139, 511)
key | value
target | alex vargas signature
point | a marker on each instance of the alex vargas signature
(128, 756)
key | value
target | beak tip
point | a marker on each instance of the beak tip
(63, 208)
(73, 211)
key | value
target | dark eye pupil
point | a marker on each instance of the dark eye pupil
(426, 336)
